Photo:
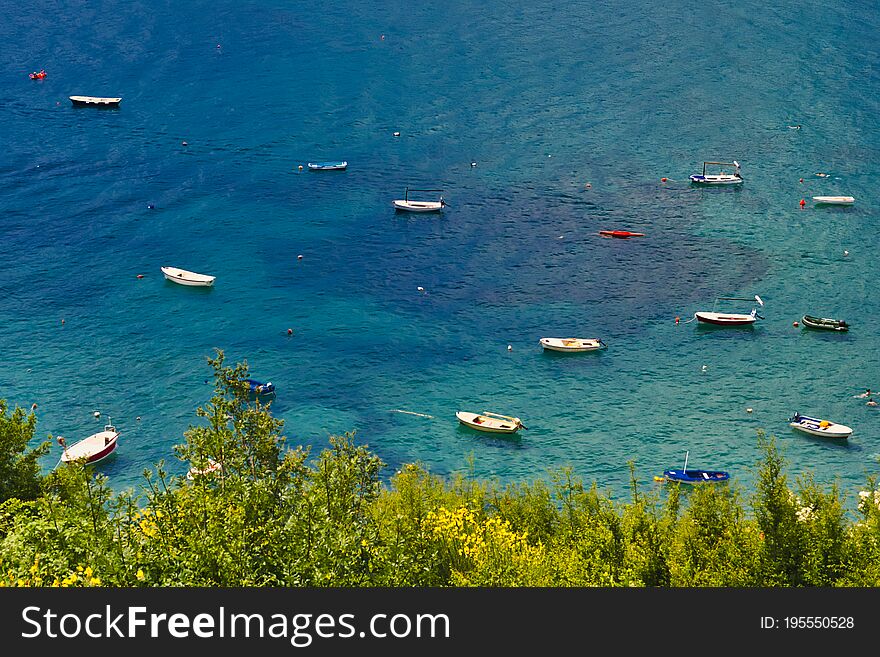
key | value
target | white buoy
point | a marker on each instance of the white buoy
(748, 410)
(97, 414)
(420, 288)
(705, 367)
(510, 347)
(846, 253)
(473, 164)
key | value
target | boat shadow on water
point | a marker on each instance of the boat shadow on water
(831, 443)
(503, 440)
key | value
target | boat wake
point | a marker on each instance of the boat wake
(397, 410)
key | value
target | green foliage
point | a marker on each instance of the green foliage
(19, 466)
(273, 515)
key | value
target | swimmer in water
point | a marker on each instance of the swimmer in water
(867, 393)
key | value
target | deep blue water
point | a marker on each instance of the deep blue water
(544, 99)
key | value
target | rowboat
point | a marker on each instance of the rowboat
(407, 205)
(184, 277)
(620, 233)
(730, 319)
(834, 200)
(719, 178)
(572, 344)
(327, 166)
(693, 475)
(809, 321)
(94, 101)
(491, 422)
(819, 427)
(258, 388)
(96, 447)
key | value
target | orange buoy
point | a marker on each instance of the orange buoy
(803, 202)
(677, 320)
(795, 324)
(663, 180)
(289, 331)
(802, 180)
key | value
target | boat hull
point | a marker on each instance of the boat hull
(572, 345)
(483, 423)
(323, 166)
(94, 101)
(814, 427)
(824, 323)
(95, 448)
(188, 278)
(621, 234)
(417, 206)
(696, 476)
(716, 180)
(834, 200)
(725, 319)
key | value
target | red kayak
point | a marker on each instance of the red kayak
(619, 233)
(38, 76)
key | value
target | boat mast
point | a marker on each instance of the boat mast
(686, 454)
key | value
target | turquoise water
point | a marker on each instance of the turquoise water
(544, 99)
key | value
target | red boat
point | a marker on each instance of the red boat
(38, 76)
(94, 448)
(619, 233)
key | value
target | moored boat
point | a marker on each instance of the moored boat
(720, 178)
(730, 319)
(407, 205)
(572, 344)
(824, 323)
(327, 166)
(620, 233)
(834, 200)
(693, 475)
(819, 427)
(184, 277)
(95, 101)
(490, 422)
(96, 447)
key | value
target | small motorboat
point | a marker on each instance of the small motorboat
(211, 468)
(720, 178)
(491, 422)
(834, 200)
(95, 101)
(259, 388)
(184, 277)
(573, 344)
(96, 447)
(818, 427)
(620, 233)
(825, 323)
(327, 166)
(37, 75)
(407, 205)
(693, 475)
(729, 319)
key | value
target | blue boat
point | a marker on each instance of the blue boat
(327, 166)
(259, 388)
(693, 475)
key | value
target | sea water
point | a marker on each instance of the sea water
(543, 124)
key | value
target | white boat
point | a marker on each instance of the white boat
(184, 277)
(834, 200)
(96, 447)
(407, 205)
(328, 166)
(572, 344)
(729, 319)
(819, 427)
(211, 468)
(95, 101)
(720, 178)
(491, 422)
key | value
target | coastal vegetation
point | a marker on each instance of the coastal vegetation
(276, 515)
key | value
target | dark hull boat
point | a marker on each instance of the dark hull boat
(825, 323)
